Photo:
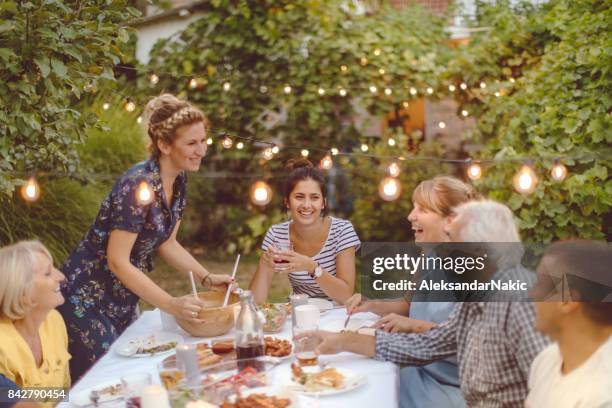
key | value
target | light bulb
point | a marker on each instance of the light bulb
(391, 141)
(326, 162)
(227, 142)
(144, 194)
(377, 52)
(388, 91)
(413, 91)
(393, 169)
(139, 120)
(287, 89)
(342, 92)
(389, 189)
(512, 80)
(239, 145)
(373, 89)
(261, 193)
(441, 125)
(227, 86)
(558, 171)
(263, 89)
(130, 105)
(106, 106)
(31, 190)
(321, 91)
(267, 153)
(405, 104)
(334, 151)
(364, 61)
(343, 68)
(429, 91)
(497, 94)
(154, 79)
(463, 86)
(305, 152)
(474, 171)
(464, 113)
(483, 85)
(452, 88)
(209, 141)
(525, 180)
(193, 83)
(275, 149)
(381, 71)
(364, 147)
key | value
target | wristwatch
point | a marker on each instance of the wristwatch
(318, 271)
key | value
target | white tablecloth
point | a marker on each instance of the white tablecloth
(380, 389)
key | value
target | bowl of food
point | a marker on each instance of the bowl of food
(276, 316)
(216, 319)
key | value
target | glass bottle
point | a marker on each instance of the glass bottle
(249, 332)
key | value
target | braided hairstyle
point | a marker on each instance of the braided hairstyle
(165, 114)
(442, 194)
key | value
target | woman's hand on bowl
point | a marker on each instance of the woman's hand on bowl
(220, 282)
(186, 308)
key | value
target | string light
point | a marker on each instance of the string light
(463, 86)
(474, 171)
(31, 190)
(429, 91)
(334, 151)
(391, 141)
(464, 113)
(305, 152)
(373, 89)
(275, 149)
(342, 92)
(343, 68)
(364, 147)
(193, 83)
(452, 88)
(106, 106)
(483, 85)
(267, 153)
(209, 141)
(525, 180)
(326, 162)
(558, 171)
(405, 104)
(263, 89)
(377, 52)
(364, 61)
(413, 91)
(287, 89)
(227, 86)
(130, 106)
(154, 79)
(239, 145)
(389, 189)
(227, 142)
(393, 169)
(261, 193)
(139, 120)
(441, 125)
(321, 91)
(144, 194)
(381, 71)
(388, 91)
(497, 94)
(512, 80)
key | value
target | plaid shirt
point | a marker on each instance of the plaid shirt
(495, 344)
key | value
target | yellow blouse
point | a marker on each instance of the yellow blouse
(17, 361)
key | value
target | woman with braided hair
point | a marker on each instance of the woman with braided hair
(107, 272)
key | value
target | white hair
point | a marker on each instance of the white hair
(490, 221)
(18, 263)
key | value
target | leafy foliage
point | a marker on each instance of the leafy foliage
(559, 56)
(51, 53)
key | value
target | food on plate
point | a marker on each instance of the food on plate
(276, 315)
(199, 404)
(327, 379)
(170, 378)
(206, 356)
(277, 347)
(157, 348)
(223, 347)
(257, 401)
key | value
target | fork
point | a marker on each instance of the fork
(346, 321)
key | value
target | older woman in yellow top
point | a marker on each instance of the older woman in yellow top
(32, 333)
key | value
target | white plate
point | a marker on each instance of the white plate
(81, 398)
(129, 347)
(352, 380)
(278, 392)
(354, 324)
(323, 304)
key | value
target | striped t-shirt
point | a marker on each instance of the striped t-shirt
(341, 236)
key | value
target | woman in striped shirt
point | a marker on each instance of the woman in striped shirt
(317, 251)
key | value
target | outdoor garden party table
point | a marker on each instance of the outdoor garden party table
(379, 390)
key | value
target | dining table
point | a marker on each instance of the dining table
(379, 389)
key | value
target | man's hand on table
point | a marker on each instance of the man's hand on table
(333, 343)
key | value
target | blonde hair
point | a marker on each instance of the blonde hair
(442, 194)
(18, 263)
(165, 114)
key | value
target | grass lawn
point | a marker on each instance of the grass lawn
(177, 284)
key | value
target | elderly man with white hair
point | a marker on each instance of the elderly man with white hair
(495, 342)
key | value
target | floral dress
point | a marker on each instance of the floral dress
(98, 306)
